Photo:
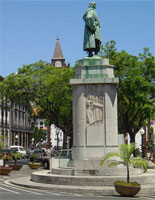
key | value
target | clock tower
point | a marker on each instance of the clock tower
(58, 58)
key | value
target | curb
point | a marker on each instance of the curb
(82, 190)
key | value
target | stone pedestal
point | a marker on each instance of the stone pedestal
(94, 111)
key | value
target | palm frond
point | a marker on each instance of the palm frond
(138, 161)
(108, 156)
(115, 163)
(126, 151)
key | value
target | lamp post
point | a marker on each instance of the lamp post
(32, 140)
(57, 138)
(16, 139)
(142, 134)
(32, 143)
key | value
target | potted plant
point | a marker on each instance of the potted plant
(4, 154)
(15, 156)
(33, 164)
(125, 154)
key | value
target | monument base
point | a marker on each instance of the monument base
(93, 168)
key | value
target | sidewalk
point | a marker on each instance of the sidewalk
(146, 190)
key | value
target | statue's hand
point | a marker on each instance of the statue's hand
(91, 30)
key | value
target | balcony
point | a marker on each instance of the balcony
(21, 128)
(4, 124)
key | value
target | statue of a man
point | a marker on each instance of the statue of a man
(92, 38)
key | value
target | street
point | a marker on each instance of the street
(10, 192)
(13, 192)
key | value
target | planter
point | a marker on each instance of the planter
(34, 165)
(5, 170)
(127, 190)
(15, 166)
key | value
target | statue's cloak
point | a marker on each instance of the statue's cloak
(92, 29)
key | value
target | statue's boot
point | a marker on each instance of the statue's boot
(90, 54)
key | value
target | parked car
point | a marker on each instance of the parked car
(64, 153)
(19, 149)
(37, 155)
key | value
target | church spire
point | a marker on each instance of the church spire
(58, 58)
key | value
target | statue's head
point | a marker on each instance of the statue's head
(92, 4)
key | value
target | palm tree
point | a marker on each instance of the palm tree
(125, 153)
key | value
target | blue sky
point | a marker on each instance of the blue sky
(28, 29)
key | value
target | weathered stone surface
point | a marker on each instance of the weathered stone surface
(94, 112)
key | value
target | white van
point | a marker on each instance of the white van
(19, 149)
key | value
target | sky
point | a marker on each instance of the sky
(29, 28)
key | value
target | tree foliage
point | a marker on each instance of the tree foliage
(46, 88)
(136, 92)
(38, 134)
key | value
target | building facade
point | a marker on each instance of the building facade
(40, 124)
(14, 123)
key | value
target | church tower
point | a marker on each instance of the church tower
(58, 58)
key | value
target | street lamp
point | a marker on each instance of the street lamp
(41, 143)
(32, 145)
(16, 139)
(142, 134)
(32, 140)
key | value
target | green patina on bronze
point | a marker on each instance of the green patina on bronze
(92, 38)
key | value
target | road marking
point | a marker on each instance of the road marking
(9, 190)
(46, 192)
(7, 184)
(71, 194)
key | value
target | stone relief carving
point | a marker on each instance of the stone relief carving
(94, 109)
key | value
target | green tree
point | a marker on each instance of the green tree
(151, 140)
(2, 138)
(136, 92)
(42, 86)
(38, 134)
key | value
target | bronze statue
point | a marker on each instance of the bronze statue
(92, 38)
